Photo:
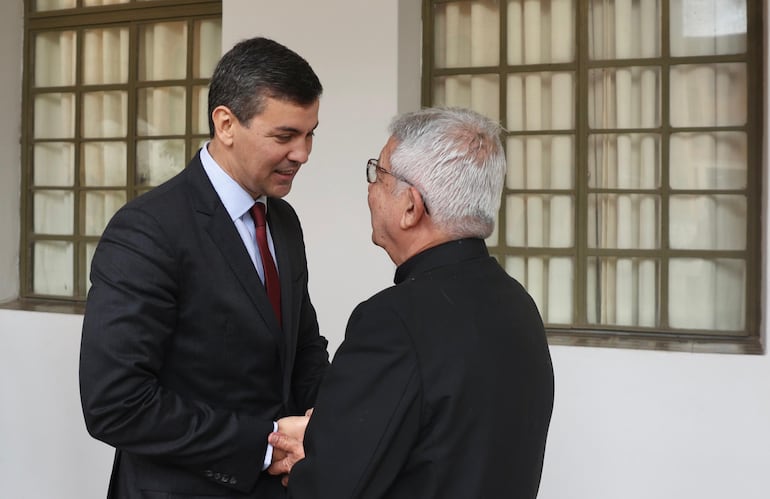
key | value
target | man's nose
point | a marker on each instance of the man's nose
(300, 151)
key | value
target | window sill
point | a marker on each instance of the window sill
(660, 342)
(51, 306)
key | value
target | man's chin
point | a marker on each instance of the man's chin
(375, 242)
(280, 190)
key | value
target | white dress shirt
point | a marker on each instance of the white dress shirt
(238, 204)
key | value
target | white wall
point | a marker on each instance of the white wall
(45, 450)
(352, 46)
(627, 424)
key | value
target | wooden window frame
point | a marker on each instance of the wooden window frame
(132, 15)
(747, 341)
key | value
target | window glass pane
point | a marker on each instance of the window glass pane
(540, 162)
(53, 270)
(623, 221)
(161, 111)
(541, 101)
(158, 160)
(624, 97)
(478, 92)
(708, 160)
(54, 164)
(105, 56)
(712, 222)
(200, 110)
(103, 164)
(623, 29)
(622, 291)
(99, 206)
(163, 51)
(540, 221)
(626, 161)
(54, 116)
(516, 231)
(541, 31)
(55, 56)
(707, 294)
(549, 281)
(467, 34)
(53, 212)
(105, 114)
(708, 27)
(708, 95)
(43, 5)
(560, 284)
(208, 47)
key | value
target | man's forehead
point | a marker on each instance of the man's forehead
(282, 116)
(387, 149)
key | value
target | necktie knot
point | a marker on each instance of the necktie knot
(258, 213)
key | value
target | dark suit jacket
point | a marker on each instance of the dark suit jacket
(442, 389)
(183, 366)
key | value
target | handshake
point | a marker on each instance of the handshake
(287, 442)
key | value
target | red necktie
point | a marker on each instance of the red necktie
(272, 283)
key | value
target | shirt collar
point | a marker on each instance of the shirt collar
(236, 199)
(438, 256)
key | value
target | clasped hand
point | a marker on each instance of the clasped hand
(287, 445)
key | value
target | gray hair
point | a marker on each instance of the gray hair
(454, 157)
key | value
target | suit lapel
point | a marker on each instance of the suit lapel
(216, 221)
(281, 243)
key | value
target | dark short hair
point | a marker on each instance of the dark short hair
(257, 69)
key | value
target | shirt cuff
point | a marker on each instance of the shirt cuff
(269, 451)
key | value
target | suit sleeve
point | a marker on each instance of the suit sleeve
(367, 416)
(129, 320)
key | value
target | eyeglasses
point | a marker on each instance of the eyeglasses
(373, 166)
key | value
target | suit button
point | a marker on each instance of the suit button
(208, 473)
(217, 475)
(225, 478)
(233, 480)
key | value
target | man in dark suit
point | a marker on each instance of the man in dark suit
(443, 386)
(186, 364)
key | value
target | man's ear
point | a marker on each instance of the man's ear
(224, 122)
(414, 208)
